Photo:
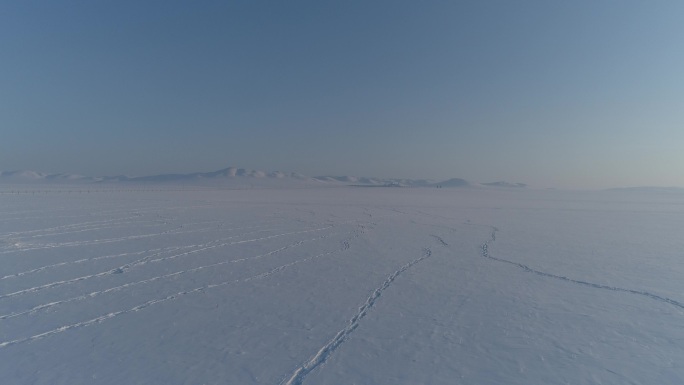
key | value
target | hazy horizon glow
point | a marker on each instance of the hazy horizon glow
(553, 94)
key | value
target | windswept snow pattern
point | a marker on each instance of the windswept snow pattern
(340, 285)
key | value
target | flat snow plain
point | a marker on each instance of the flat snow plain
(341, 286)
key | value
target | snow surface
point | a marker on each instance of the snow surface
(341, 286)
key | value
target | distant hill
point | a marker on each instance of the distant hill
(504, 184)
(227, 174)
(27, 176)
(231, 176)
(392, 182)
(454, 182)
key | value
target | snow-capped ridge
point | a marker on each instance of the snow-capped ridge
(391, 182)
(22, 174)
(230, 176)
(454, 182)
(236, 176)
(29, 176)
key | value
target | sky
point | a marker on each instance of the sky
(566, 94)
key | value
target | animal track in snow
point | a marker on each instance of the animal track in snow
(440, 240)
(329, 348)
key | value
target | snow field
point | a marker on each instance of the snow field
(346, 285)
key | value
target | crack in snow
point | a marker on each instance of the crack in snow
(485, 253)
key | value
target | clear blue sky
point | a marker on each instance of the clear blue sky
(581, 94)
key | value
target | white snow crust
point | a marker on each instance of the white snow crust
(341, 285)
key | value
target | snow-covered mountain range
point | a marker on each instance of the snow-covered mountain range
(237, 176)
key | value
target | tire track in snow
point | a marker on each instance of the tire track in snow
(179, 230)
(13, 241)
(90, 215)
(171, 297)
(138, 224)
(176, 230)
(329, 348)
(39, 269)
(153, 279)
(485, 253)
(146, 223)
(55, 265)
(69, 226)
(21, 218)
(73, 280)
(148, 259)
(122, 268)
(76, 227)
